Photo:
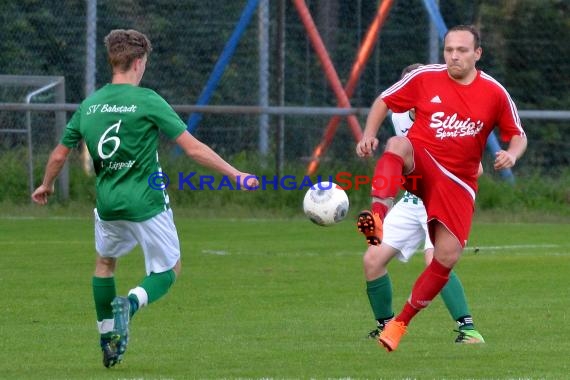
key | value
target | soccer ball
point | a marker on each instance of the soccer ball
(325, 203)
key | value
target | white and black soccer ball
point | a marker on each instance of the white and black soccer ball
(325, 203)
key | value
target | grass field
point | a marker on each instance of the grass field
(281, 299)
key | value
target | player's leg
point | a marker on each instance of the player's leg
(427, 286)
(104, 291)
(159, 241)
(152, 287)
(449, 204)
(386, 182)
(453, 295)
(402, 235)
(112, 240)
(435, 276)
(379, 284)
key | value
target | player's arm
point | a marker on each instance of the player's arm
(505, 159)
(56, 161)
(205, 156)
(376, 116)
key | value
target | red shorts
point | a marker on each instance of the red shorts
(446, 197)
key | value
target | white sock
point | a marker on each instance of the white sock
(141, 295)
(105, 326)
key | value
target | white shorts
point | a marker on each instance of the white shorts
(157, 237)
(405, 228)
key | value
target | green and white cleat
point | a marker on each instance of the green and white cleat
(109, 348)
(469, 337)
(121, 312)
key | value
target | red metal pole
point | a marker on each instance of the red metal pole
(357, 68)
(327, 64)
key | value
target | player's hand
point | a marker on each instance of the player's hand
(41, 194)
(504, 160)
(247, 181)
(366, 146)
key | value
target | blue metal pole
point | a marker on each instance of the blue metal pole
(493, 147)
(433, 10)
(222, 62)
(492, 142)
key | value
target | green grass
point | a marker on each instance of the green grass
(269, 298)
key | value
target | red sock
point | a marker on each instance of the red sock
(427, 286)
(388, 177)
(380, 209)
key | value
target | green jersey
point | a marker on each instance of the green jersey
(120, 125)
(412, 199)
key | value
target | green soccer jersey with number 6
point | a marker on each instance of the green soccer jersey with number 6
(120, 124)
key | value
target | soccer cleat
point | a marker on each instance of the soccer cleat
(121, 312)
(109, 348)
(469, 337)
(370, 225)
(391, 335)
(374, 334)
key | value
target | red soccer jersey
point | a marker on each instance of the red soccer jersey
(453, 120)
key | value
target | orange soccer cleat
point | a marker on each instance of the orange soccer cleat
(391, 335)
(370, 225)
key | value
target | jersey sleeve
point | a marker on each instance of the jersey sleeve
(164, 117)
(401, 96)
(72, 134)
(509, 122)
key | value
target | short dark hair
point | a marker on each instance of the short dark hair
(467, 28)
(124, 46)
(410, 68)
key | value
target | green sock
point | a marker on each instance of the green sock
(454, 298)
(134, 301)
(107, 336)
(157, 285)
(103, 293)
(380, 296)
